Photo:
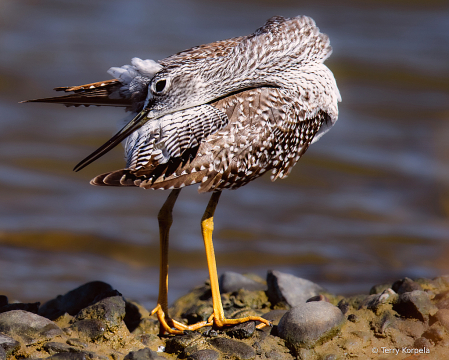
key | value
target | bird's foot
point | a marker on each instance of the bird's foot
(170, 326)
(221, 322)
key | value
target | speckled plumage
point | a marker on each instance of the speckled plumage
(227, 113)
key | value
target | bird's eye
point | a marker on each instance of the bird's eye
(159, 86)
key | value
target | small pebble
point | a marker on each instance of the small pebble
(233, 348)
(421, 343)
(144, 354)
(206, 354)
(242, 331)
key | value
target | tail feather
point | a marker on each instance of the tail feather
(102, 93)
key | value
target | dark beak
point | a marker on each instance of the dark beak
(129, 128)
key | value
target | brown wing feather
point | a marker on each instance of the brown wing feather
(266, 131)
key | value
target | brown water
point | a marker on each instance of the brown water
(368, 203)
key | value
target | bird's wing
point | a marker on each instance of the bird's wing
(170, 136)
(266, 131)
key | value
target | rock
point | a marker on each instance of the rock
(3, 300)
(442, 300)
(353, 318)
(242, 331)
(318, 298)
(204, 355)
(9, 345)
(289, 289)
(133, 317)
(382, 323)
(231, 281)
(410, 327)
(30, 307)
(177, 344)
(415, 304)
(421, 343)
(143, 354)
(110, 311)
(442, 316)
(82, 355)
(374, 302)
(377, 289)
(435, 333)
(274, 316)
(27, 326)
(233, 348)
(75, 300)
(309, 324)
(343, 306)
(77, 343)
(405, 285)
(57, 347)
(275, 355)
(90, 329)
(2, 354)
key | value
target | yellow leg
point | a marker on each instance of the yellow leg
(165, 219)
(207, 227)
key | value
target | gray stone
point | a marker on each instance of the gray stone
(232, 281)
(77, 343)
(204, 355)
(82, 355)
(274, 316)
(27, 326)
(8, 344)
(2, 354)
(233, 348)
(57, 347)
(75, 300)
(176, 344)
(30, 307)
(143, 354)
(343, 306)
(373, 302)
(310, 324)
(3, 300)
(111, 311)
(377, 289)
(416, 305)
(405, 285)
(275, 355)
(90, 329)
(289, 289)
(242, 331)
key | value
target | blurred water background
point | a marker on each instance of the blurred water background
(368, 203)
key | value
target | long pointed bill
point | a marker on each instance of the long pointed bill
(129, 128)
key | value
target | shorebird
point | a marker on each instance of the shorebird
(219, 115)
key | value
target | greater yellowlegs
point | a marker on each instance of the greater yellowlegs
(219, 115)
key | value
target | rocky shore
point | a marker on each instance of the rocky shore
(407, 319)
